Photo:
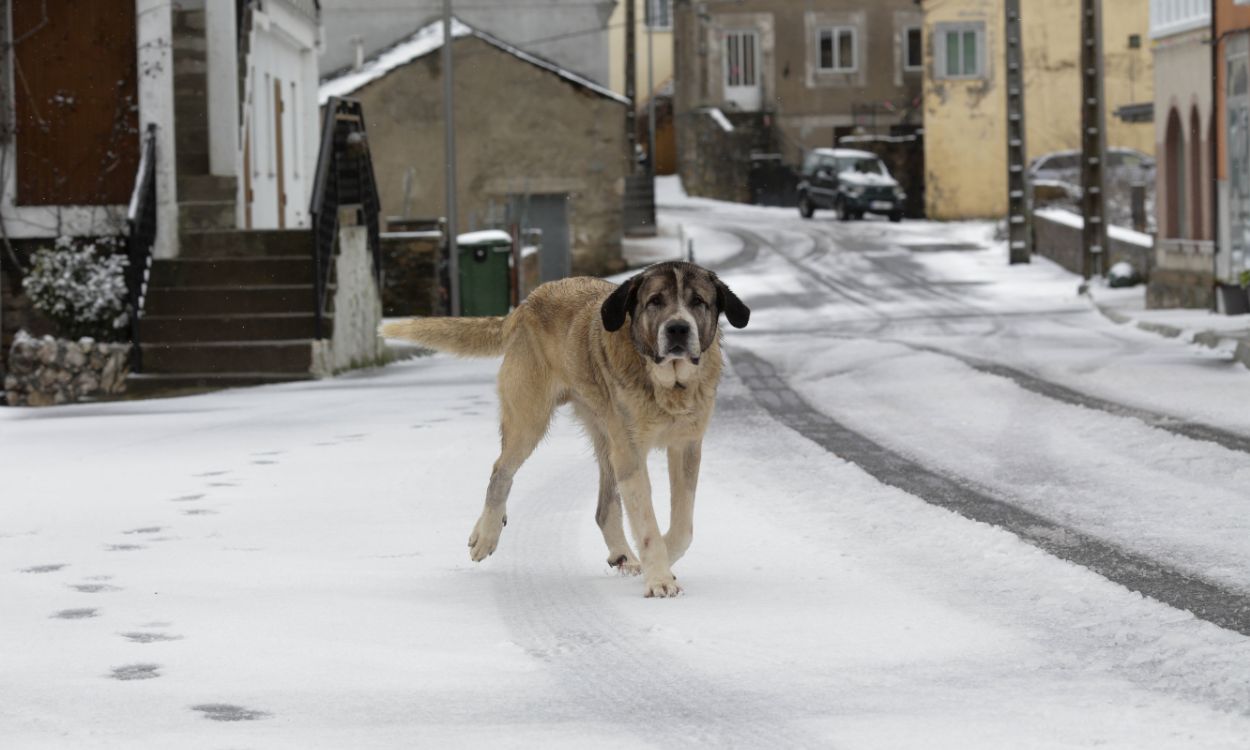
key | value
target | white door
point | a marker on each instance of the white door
(742, 70)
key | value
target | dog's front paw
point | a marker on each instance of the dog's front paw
(662, 587)
(626, 565)
(485, 536)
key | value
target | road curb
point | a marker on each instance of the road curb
(1210, 339)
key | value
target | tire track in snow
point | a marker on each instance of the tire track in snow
(1193, 429)
(599, 655)
(1205, 600)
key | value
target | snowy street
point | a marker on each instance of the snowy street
(944, 503)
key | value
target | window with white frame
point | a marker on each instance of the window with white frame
(658, 14)
(959, 50)
(913, 48)
(836, 49)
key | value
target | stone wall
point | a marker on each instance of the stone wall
(714, 162)
(50, 371)
(411, 285)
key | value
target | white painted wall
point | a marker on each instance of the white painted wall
(221, 35)
(283, 48)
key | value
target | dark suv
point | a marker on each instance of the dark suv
(851, 182)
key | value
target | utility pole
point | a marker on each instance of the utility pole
(651, 20)
(631, 114)
(449, 158)
(1093, 141)
(1019, 229)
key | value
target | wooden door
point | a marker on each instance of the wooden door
(76, 102)
(279, 150)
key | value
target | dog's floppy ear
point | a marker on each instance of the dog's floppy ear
(618, 304)
(735, 312)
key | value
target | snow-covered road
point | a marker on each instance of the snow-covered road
(285, 566)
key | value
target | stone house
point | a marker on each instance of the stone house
(1180, 35)
(762, 76)
(536, 144)
(965, 102)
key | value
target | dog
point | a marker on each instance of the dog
(638, 362)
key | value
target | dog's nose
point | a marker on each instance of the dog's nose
(677, 329)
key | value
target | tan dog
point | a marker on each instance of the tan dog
(651, 384)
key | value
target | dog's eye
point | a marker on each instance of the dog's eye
(697, 301)
(655, 301)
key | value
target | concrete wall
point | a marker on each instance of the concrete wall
(571, 33)
(354, 341)
(969, 116)
(807, 104)
(519, 129)
(1057, 235)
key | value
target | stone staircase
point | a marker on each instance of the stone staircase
(236, 306)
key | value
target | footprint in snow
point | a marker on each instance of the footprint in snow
(187, 498)
(43, 568)
(228, 712)
(94, 588)
(74, 614)
(264, 462)
(269, 453)
(123, 547)
(211, 473)
(199, 512)
(145, 637)
(136, 672)
(222, 484)
(144, 530)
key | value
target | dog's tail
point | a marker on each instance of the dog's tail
(466, 337)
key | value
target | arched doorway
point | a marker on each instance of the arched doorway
(1174, 177)
(1196, 163)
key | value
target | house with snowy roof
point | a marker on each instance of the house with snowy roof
(537, 144)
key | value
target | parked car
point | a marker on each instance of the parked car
(1123, 165)
(851, 182)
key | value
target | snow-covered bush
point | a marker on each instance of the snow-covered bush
(79, 288)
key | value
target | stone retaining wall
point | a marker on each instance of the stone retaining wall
(47, 371)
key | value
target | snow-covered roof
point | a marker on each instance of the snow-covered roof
(430, 39)
(484, 237)
(846, 153)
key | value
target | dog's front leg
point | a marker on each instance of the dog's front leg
(683, 478)
(630, 467)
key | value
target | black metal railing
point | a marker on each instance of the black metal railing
(344, 179)
(141, 223)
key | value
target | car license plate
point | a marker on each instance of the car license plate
(881, 206)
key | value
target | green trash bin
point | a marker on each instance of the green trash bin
(484, 278)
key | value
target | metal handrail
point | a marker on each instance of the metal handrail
(141, 236)
(343, 178)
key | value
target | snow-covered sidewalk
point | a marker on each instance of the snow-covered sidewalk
(292, 557)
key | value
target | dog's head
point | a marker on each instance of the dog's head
(673, 310)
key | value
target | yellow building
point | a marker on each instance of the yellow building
(653, 48)
(965, 105)
(661, 29)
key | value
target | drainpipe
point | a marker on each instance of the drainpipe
(1215, 155)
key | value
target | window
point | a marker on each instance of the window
(658, 14)
(960, 51)
(913, 48)
(836, 49)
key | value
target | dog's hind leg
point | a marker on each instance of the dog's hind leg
(608, 513)
(526, 402)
